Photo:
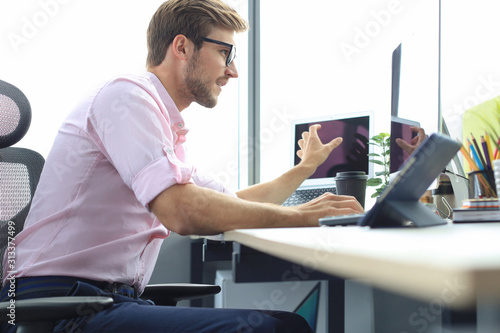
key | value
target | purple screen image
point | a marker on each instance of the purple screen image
(397, 155)
(351, 155)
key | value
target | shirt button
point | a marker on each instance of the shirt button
(181, 125)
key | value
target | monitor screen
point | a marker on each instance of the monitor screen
(351, 155)
(400, 128)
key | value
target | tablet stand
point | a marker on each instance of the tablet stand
(393, 213)
(399, 204)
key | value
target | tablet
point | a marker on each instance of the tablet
(398, 205)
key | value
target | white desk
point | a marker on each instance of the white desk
(454, 264)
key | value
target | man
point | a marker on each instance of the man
(117, 181)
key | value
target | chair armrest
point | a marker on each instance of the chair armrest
(171, 293)
(38, 315)
(52, 308)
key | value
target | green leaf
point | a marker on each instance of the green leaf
(383, 141)
(377, 162)
(374, 182)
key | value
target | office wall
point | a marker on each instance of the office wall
(470, 57)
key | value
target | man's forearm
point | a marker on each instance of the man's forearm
(189, 209)
(279, 189)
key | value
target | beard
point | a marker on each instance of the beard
(198, 88)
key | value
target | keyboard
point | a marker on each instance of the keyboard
(349, 219)
(303, 196)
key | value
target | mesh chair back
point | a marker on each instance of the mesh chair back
(20, 168)
(15, 114)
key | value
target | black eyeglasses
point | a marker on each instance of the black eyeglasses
(232, 49)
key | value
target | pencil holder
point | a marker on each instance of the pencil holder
(496, 171)
(482, 184)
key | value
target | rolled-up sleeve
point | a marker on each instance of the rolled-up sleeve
(160, 175)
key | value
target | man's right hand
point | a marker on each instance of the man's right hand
(329, 204)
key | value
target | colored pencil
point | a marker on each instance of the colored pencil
(488, 144)
(486, 153)
(478, 151)
(466, 155)
(475, 155)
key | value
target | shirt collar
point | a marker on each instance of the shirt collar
(177, 122)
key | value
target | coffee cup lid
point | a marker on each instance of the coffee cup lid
(351, 175)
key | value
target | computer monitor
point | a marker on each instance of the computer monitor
(352, 155)
(396, 78)
(400, 129)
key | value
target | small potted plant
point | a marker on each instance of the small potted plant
(381, 179)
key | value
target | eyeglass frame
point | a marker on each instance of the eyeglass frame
(232, 49)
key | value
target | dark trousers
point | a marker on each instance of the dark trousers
(136, 315)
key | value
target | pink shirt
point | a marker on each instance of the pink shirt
(115, 152)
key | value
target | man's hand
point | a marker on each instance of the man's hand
(415, 142)
(312, 151)
(329, 204)
(188, 209)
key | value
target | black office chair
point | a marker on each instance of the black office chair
(20, 171)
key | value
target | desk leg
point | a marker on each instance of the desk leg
(488, 316)
(458, 321)
(196, 268)
(249, 264)
(336, 302)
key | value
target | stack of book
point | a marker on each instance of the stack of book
(477, 210)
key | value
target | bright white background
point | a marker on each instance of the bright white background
(470, 57)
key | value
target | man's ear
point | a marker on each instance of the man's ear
(182, 47)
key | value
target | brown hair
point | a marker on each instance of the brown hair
(191, 18)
